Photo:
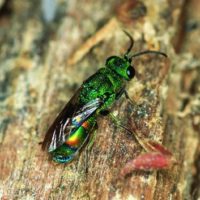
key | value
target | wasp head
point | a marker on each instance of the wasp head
(122, 65)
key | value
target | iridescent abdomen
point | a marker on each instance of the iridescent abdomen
(77, 138)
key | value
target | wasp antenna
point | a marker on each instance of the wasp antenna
(131, 43)
(147, 52)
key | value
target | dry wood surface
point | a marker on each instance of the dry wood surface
(48, 48)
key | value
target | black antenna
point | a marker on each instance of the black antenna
(131, 44)
(147, 52)
(139, 53)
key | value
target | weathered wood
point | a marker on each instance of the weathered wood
(37, 78)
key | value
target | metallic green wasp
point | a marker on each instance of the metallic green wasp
(76, 122)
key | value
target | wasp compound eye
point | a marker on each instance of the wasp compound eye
(130, 72)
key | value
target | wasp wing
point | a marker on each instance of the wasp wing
(70, 118)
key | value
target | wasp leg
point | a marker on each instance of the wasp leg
(89, 147)
(127, 96)
(120, 93)
(123, 91)
(118, 123)
(91, 141)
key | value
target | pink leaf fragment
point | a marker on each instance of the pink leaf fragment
(147, 162)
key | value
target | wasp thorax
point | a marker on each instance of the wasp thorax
(121, 66)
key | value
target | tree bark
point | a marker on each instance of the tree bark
(46, 52)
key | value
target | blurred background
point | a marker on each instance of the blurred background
(49, 47)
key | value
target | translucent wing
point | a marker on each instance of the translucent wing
(70, 118)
